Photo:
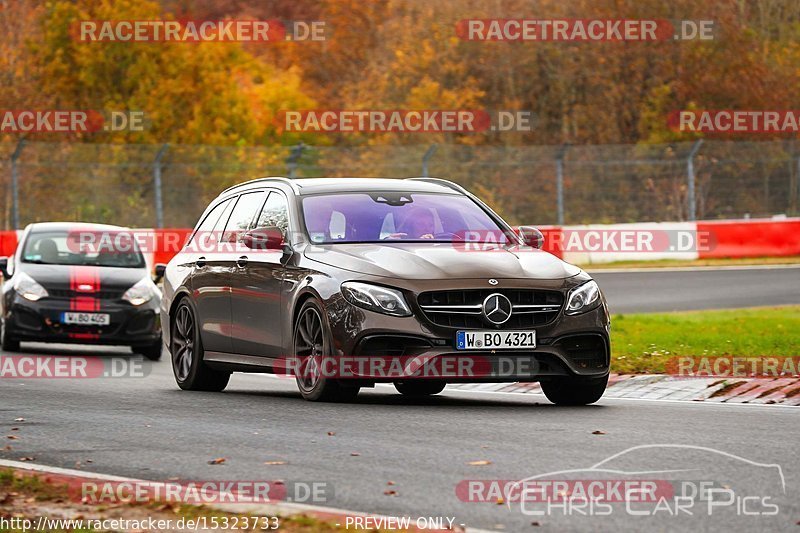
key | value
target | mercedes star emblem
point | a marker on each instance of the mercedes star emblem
(497, 309)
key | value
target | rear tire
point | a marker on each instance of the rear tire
(6, 343)
(186, 349)
(419, 388)
(574, 390)
(152, 352)
(311, 343)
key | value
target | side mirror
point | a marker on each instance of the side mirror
(531, 236)
(4, 267)
(160, 270)
(269, 238)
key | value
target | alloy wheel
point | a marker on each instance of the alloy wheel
(183, 343)
(309, 347)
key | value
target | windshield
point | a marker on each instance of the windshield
(374, 217)
(91, 248)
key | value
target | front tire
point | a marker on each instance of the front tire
(311, 343)
(152, 352)
(6, 343)
(574, 390)
(419, 388)
(186, 348)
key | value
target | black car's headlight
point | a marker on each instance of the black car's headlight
(583, 298)
(29, 288)
(142, 292)
(376, 298)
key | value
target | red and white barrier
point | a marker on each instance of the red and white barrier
(752, 238)
(586, 244)
(652, 241)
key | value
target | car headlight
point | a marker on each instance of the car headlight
(28, 288)
(375, 298)
(142, 292)
(583, 298)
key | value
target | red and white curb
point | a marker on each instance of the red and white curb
(765, 391)
(337, 517)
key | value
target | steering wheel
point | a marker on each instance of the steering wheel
(446, 234)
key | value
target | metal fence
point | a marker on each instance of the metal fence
(170, 185)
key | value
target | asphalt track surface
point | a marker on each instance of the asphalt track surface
(657, 290)
(145, 427)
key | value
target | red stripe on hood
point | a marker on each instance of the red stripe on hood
(84, 282)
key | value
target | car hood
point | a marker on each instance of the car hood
(68, 277)
(441, 261)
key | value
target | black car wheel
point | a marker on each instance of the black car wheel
(186, 349)
(151, 352)
(574, 390)
(311, 347)
(420, 387)
(6, 343)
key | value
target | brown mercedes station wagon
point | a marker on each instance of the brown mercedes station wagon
(345, 283)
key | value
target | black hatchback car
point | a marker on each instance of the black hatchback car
(80, 283)
(344, 283)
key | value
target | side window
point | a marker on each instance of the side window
(220, 225)
(208, 223)
(242, 215)
(275, 213)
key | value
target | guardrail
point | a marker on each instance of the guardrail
(701, 240)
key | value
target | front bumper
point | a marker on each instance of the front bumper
(42, 321)
(569, 345)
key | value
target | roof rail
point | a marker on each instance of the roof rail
(444, 182)
(281, 179)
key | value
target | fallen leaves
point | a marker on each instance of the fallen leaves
(390, 492)
(479, 463)
(19, 419)
(598, 432)
(27, 459)
(12, 437)
(217, 461)
(331, 433)
(355, 454)
(272, 463)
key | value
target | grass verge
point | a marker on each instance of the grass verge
(644, 343)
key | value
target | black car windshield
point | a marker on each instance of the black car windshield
(83, 247)
(395, 216)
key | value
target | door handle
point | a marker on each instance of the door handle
(200, 263)
(242, 261)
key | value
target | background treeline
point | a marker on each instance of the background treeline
(402, 54)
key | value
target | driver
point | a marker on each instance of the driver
(418, 224)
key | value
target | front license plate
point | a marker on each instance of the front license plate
(495, 340)
(86, 319)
